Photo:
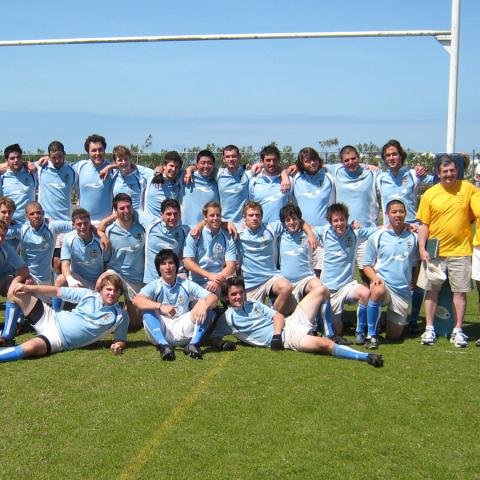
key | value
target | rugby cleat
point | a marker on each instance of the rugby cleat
(228, 346)
(166, 352)
(193, 351)
(371, 343)
(276, 343)
(339, 340)
(375, 360)
(360, 339)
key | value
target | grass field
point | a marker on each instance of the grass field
(247, 414)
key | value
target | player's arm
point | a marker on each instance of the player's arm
(144, 303)
(286, 184)
(199, 311)
(67, 274)
(312, 238)
(422, 241)
(21, 275)
(106, 170)
(371, 274)
(47, 290)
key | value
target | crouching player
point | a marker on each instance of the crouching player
(96, 315)
(252, 323)
(388, 263)
(167, 318)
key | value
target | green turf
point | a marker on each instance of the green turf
(246, 414)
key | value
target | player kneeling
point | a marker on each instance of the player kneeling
(96, 315)
(252, 322)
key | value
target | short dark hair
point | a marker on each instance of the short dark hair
(307, 153)
(251, 204)
(395, 144)
(164, 255)
(232, 282)
(206, 153)
(348, 148)
(56, 146)
(270, 150)
(121, 197)
(94, 138)
(169, 203)
(393, 202)
(210, 205)
(339, 208)
(231, 147)
(290, 210)
(11, 149)
(173, 156)
(121, 151)
(32, 203)
(80, 212)
(445, 160)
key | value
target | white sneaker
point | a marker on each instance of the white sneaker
(459, 339)
(428, 337)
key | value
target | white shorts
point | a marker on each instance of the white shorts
(47, 328)
(299, 287)
(178, 331)
(59, 240)
(297, 325)
(361, 248)
(476, 263)
(317, 258)
(397, 307)
(260, 293)
(343, 295)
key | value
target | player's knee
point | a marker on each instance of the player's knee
(284, 287)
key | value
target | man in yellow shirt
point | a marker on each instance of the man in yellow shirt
(444, 214)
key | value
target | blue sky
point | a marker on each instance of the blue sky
(295, 92)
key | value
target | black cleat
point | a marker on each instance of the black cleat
(228, 346)
(372, 343)
(7, 342)
(193, 351)
(375, 360)
(276, 343)
(166, 352)
(413, 328)
(339, 340)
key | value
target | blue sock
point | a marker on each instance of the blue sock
(201, 328)
(417, 299)
(57, 304)
(374, 310)
(11, 354)
(325, 315)
(341, 351)
(361, 318)
(153, 325)
(12, 314)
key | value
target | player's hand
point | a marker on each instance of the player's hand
(157, 180)
(31, 167)
(188, 175)
(212, 286)
(286, 185)
(73, 282)
(232, 230)
(312, 242)
(412, 227)
(104, 240)
(356, 225)
(20, 289)
(168, 310)
(196, 230)
(420, 171)
(292, 169)
(256, 168)
(424, 255)
(43, 161)
(199, 312)
(117, 348)
(103, 173)
(372, 168)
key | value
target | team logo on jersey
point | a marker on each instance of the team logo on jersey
(256, 310)
(409, 244)
(45, 236)
(138, 236)
(105, 317)
(405, 180)
(94, 253)
(66, 177)
(218, 248)
(180, 298)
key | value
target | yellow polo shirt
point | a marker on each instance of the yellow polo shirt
(446, 211)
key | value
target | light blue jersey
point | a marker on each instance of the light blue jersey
(90, 320)
(405, 187)
(252, 324)
(95, 194)
(314, 194)
(339, 254)
(86, 259)
(38, 246)
(9, 260)
(258, 253)
(21, 188)
(158, 237)
(133, 184)
(179, 294)
(210, 252)
(127, 252)
(156, 194)
(265, 190)
(393, 257)
(233, 191)
(55, 188)
(196, 194)
(295, 256)
(357, 191)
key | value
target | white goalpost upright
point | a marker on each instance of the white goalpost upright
(449, 39)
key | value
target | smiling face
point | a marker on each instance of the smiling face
(109, 294)
(170, 217)
(393, 158)
(213, 219)
(123, 163)
(447, 173)
(34, 214)
(171, 169)
(57, 158)
(96, 153)
(271, 164)
(205, 166)
(6, 214)
(293, 223)
(236, 296)
(350, 160)
(339, 223)
(124, 211)
(82, 226)
(231, 159)
(168, 271)
(15, 161)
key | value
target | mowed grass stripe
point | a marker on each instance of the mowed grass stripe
(165, 428)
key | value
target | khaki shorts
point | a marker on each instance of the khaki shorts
(343, 295)
(260, 293)
(459, 271)
(130, 289)
(297, 325)
(317, 258)
(299, 287)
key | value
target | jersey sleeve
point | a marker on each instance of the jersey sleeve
(231, 250)
(189, 250)
(150, 290)
(370, 253)
(60, 226)
(196, 291)
(74, 295)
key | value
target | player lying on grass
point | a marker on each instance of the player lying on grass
(169, 317)
(96, 315)
(252, 323)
